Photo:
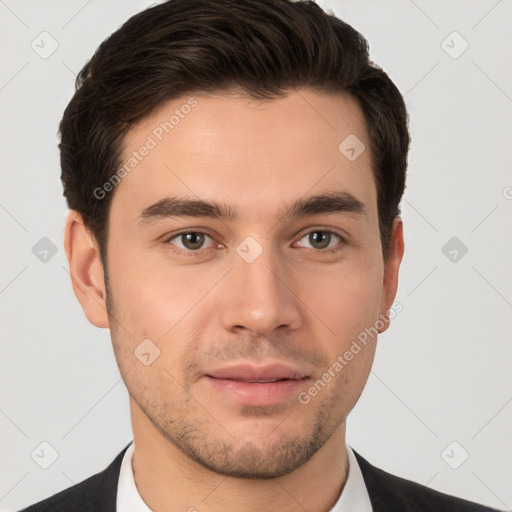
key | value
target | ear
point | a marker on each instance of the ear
(86, 270)
(391, 268)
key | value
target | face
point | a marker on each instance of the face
(226, 317)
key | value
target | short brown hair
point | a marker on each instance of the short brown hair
(260, 47)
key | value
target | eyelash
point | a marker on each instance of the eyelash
(198, 252)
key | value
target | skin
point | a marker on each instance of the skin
(296, 303)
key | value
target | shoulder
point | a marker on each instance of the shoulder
(98, 492)
(391, 493)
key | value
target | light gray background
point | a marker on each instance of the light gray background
(442, 372)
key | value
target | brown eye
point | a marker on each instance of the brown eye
(322, 239)
(189, 240)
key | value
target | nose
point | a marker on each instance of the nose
(259, 296)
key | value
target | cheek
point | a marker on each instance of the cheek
(346, 299)
(159, 300)
(166, 303)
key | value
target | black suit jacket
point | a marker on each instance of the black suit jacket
(388, 493)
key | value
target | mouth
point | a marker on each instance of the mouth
(262, 381)
(257, 386)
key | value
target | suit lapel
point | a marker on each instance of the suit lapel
(100, 491)
(383, 493)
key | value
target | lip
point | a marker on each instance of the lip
(247, 372)
(257, 385)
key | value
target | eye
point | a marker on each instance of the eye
(323, 239)
(191, 241)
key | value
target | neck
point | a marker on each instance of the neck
(167, 479)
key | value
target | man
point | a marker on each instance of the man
(234, 171)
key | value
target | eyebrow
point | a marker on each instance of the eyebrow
(176, 207)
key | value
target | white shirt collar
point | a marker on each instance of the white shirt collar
(353, 498)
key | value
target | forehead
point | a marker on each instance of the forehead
(253, 155)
